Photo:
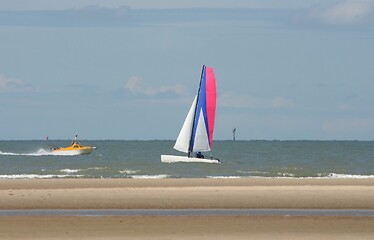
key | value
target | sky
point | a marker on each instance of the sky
(285, 69)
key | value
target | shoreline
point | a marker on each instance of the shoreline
(177, 182)
(66, 175)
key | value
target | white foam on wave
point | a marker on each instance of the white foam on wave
(129, 171)
(225, 177)
(338, 175)
(150, 176)
(37, 176)
(42, 152)
(286, 174)
(253, 172)
(67, 170)
(329, 176)
(96, 168)
(70, 170)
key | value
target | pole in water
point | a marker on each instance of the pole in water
(233, 134)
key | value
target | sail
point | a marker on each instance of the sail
(200, 141)
(210, 101)
(196, 134)
(203, 126)
(183, 141)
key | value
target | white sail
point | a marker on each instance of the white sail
(183, 140)
(201, 141)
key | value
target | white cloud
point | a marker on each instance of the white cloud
(345, 12)
(137, 85)
(11, 85)
(280, 102)
(234, 100)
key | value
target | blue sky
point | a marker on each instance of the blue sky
(285, 70)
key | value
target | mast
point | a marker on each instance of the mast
(194, 116)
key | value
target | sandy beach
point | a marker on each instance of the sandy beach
(246, 193)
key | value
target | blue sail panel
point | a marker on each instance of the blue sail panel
(200, 132)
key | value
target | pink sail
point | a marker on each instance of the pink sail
(210, 101)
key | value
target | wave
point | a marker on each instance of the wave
(338, 175)
(150, 176)
(292, 176)
(70, 170)
(129, 171)
(161, 176)
(42, 152)
(253, 172)
(225, 177)
(286, 174)
(37, 176)
(67, 170)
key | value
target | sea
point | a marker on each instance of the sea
(141, 159)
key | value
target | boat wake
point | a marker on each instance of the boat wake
(42, 152)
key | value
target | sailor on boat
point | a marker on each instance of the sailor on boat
(199, 155)
(75, 139)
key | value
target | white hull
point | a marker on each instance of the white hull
(174, 159)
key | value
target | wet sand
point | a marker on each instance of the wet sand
(186, 194)
(186, 227)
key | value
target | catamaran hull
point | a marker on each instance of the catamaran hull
(174, 159)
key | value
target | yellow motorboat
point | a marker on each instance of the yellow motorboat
(75, 148)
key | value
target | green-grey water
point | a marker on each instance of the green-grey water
(141, 159)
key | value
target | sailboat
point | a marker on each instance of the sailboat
(196, 135)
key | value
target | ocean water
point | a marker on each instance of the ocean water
(141, 159)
